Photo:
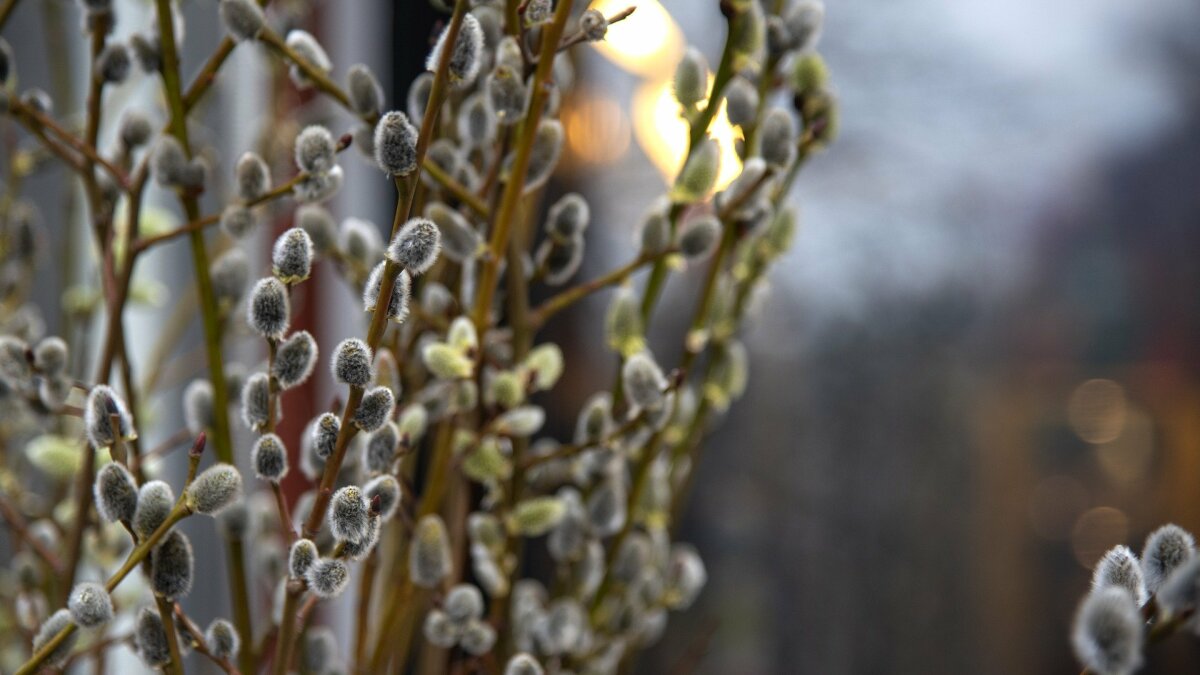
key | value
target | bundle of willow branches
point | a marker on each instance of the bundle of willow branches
(429, 475)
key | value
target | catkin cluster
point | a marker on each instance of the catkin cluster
(1135, 601)
(429, 477)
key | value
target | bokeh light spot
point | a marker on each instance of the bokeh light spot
(1096, 410)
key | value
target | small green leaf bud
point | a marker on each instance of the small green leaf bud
(623, 323)
(429, 557)
(691, 78)
(698, 175)
(535, 517)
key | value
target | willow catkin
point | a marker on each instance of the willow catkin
(90, 605)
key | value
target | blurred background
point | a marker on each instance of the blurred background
(978, 369)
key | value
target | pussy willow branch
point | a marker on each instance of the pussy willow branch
(456, 189)
(515, 188)
(690, 446)
(198, 643)
(565, 299)
(34, 120)
(280, 191)
(100, 226)
(406, 194)
(135, 557)
(175, 665)
(699, 316)
(698, 132)
(579, 37)
(211, 318)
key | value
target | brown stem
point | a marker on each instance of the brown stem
(210, 314)
(34, 118)
(175, 665)
(566, 298)
(516, 180)
(578, 36)
(136, 556)
(200, 645)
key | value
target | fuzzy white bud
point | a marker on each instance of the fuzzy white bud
(51, 627)
(401, 291)
(90, 605)
(243, 19)
(222, 640)
(238, 221)
(295, 359)
(467, 53)
(106, 418)
(269, 457)
(315, 150)
(1120, 567)
(154, 504)
(366, 96)
(416, 246)
(172, 566)
(395, 144)
(253, 177)
(116, 493)
(214, 489)
(328, 577)
(1107, 635)
(352, 363)
(269, 309)
(1166, 548)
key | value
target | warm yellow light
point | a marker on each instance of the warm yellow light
(597, 128)
(648, 42)
(663, 134)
